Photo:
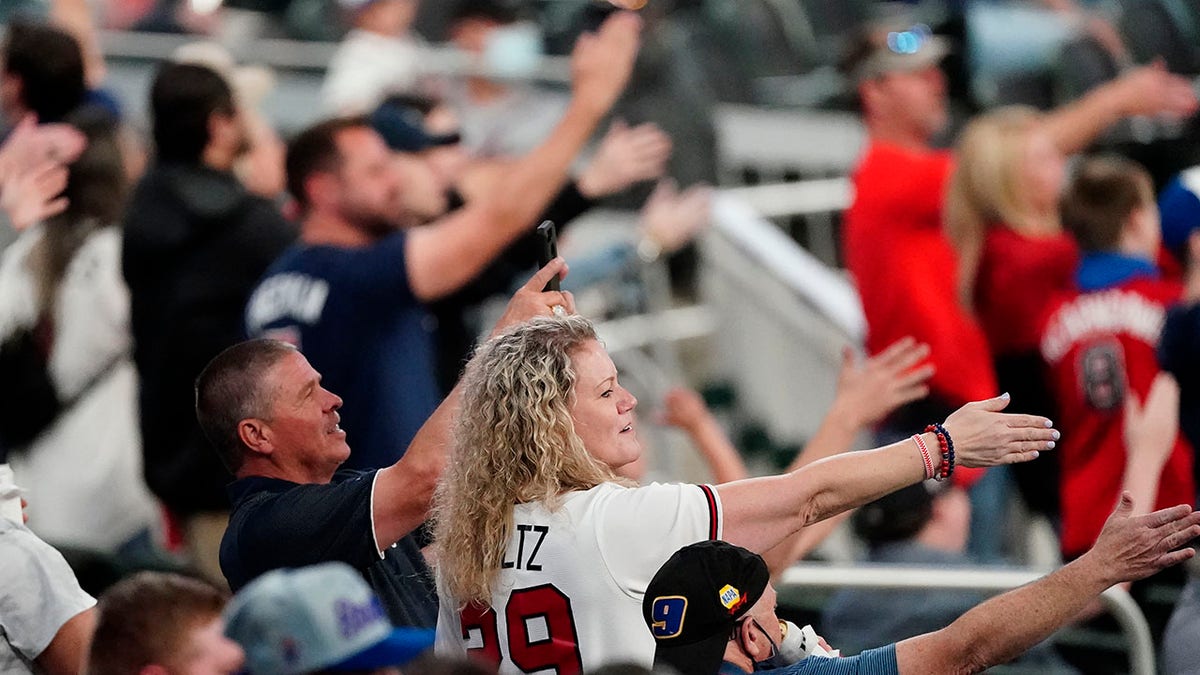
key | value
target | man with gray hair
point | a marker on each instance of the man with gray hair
(276, 429)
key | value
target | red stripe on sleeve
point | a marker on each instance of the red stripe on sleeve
(712, 510)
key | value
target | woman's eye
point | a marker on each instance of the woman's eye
(606, 394)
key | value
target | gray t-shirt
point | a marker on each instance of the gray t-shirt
(38, 594)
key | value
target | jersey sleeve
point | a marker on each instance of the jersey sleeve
(310, 524)
(38, 592)
(638, 529)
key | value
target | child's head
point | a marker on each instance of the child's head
(1109, 206)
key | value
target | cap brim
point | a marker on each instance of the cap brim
(694, 658)
(439, 140)
(398, 648)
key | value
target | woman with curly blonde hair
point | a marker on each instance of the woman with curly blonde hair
(544, 554)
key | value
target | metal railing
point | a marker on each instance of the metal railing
(784, 315)
(1116, 600)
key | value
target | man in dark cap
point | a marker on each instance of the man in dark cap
(711, 607)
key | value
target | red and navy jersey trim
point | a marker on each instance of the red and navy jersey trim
(712, 510)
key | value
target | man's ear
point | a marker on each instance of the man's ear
(256, 436)
(321, 187)
(753, 641)
(217, 124)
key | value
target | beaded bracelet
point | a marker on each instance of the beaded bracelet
(924, 455)
(947, 448)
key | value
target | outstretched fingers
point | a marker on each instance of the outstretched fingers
(1176, 539)
(1028, 421)
(1172, 558)
(1021, 456)
(1166, 518)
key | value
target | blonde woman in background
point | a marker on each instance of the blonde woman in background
(1014, 258)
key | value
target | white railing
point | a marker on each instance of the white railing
(784, 315)
(1116, 600)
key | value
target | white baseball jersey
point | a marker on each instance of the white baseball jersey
(569, 597)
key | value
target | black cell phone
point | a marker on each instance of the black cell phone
(548, 237)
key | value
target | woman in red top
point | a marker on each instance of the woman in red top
(1014, 258)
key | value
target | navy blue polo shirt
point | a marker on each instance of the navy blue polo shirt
(881, 661)
(351, 313)
(280, 524)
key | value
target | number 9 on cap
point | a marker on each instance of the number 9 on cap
(668, 612)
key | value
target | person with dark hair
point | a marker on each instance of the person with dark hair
(353, 294)
(276, 426)
(925, 525)
(64, 316)
(42, 74)
(195, 244)
(711, 606)
(917, 525)
(1100, 342)
(440, 176)
(164, 624)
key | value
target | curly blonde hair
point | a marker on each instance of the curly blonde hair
(514, 442)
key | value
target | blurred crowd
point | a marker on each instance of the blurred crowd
(200, 319)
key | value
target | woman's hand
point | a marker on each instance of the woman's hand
(985, 436)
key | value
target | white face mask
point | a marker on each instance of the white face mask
(797, 645)
(514, 50)
(802, 643)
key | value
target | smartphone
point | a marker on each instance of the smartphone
(548, 238)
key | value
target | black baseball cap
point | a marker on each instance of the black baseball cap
(403, 128)
(695, 600)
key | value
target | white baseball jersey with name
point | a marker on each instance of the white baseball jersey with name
(569, 597)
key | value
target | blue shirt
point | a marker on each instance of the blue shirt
(354, 317)
(1098, 271)
(881, 661)
(280, 524)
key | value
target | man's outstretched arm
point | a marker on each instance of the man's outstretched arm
(1129, 548)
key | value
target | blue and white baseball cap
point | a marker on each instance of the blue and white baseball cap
(323, 617)
(1179, 209)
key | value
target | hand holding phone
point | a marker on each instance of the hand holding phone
(548, 238)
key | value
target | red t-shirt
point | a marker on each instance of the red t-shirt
(1098, 346)
(906, 268)
(1017, 279)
